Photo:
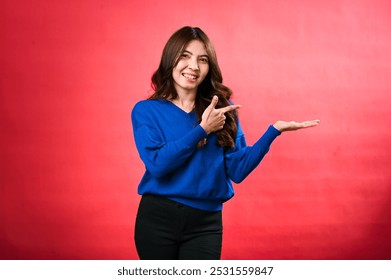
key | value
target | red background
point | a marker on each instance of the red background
(71, 72)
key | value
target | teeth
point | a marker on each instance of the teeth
(190, 76)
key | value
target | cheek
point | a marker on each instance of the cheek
(175, 73)
(178, 69)
(181, 65)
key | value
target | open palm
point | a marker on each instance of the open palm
(292, 125)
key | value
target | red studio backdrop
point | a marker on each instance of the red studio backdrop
(71, 71)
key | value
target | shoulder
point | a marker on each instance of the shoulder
(149, 105)
(148, 109)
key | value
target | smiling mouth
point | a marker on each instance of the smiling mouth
(189, 76)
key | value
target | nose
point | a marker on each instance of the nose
(193, 66)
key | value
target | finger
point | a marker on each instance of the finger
(214, 102)
(230, 108)
(311, 123)
(305, 124)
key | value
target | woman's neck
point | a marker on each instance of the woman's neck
(185, 102)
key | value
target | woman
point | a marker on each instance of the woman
(190, 140)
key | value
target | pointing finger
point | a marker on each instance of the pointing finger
(230, 108)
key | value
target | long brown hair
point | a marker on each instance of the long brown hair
(163, 83)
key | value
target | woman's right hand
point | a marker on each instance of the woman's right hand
(214, 119)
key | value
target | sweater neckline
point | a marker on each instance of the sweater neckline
(179, 109)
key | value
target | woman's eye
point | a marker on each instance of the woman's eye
(204, 60)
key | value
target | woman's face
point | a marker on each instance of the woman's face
(192, 68)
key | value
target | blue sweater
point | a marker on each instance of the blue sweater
(166, 138)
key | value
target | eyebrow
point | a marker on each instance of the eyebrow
(202, 55)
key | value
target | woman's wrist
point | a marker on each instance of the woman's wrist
(278, 126)
(204, 128)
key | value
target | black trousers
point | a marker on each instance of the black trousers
(168, 230)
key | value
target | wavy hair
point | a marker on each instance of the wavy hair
(162, 81)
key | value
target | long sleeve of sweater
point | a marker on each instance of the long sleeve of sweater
(162, 156)
(166, 138)
(243, 159)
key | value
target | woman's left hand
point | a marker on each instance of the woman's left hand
(292, 125)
